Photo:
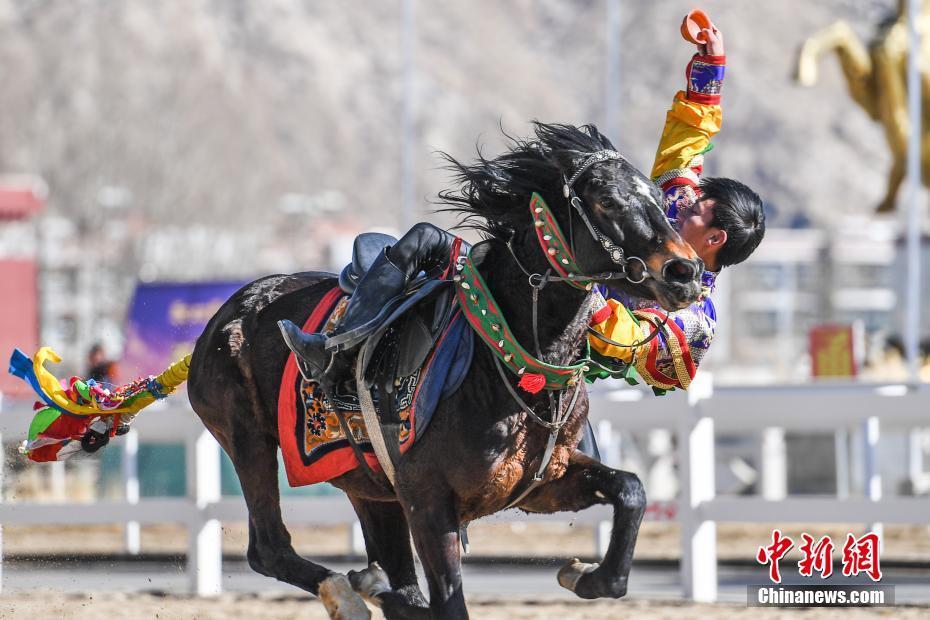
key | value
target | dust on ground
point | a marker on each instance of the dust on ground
(116, 606)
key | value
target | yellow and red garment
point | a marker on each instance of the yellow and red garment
(693, 120)
(670, 359)
(663, 362)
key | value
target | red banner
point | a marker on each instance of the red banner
(19, 318)
(832, 351)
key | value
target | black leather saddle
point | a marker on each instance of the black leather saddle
(414, 320)
(365, 250)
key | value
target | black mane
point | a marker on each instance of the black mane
(493, 194)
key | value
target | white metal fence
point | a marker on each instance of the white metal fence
(695, 417)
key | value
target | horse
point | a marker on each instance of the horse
(483, 447)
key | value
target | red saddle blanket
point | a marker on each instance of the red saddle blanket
(313, 443)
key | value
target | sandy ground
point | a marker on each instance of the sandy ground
(144, 606)
(657, 540)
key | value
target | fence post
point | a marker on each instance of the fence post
(130, 471)
(920, 480)
(774, 464)
(205, 537)
(608, 443)
(872, 480)
(58, 481)
(698, 536)
(357, 540)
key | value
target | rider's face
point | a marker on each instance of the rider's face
(697, 230)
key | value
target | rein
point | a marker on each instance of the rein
(538, 281)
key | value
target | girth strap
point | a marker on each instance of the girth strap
(370, 415)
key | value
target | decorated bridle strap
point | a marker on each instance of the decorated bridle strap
(486, 319)
(553, 243)
(614, 251)
(597, 157)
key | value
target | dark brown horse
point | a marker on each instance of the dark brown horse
(482, 449)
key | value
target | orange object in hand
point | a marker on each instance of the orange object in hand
(693, 25)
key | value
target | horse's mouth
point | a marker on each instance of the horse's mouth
(673, 297)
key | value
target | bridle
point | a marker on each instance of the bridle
(560, 251)
(561, 255)
(561, 258)
(614, 252)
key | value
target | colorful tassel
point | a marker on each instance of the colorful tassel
(601, 315)
(532, 382)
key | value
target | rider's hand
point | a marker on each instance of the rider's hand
(714, 45)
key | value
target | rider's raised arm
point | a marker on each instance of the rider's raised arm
(670, 359)
(694, 118)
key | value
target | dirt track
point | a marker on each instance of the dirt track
(145, 606)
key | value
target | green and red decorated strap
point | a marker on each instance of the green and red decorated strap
(553, 243)
(486, 318)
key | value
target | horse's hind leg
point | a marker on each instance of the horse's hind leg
(391, 578)
(585, 483)
(270, 553)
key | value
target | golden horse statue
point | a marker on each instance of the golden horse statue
(877, 80)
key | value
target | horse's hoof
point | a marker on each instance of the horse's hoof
(341, 601)
(590, 581)
(573, 571)
(370, 582)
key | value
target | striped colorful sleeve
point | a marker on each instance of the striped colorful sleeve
(694, 118)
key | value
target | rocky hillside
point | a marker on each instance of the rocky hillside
(209, 111)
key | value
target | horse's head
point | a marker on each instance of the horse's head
(609, 219)
(618, 226)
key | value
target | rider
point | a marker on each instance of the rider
(722, 219)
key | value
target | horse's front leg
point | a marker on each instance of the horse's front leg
(434, 525)
(586, 483)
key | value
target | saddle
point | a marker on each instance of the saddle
(418, 317)
(365, 250)
(399, 346)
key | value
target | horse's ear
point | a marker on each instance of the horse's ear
(568, 161)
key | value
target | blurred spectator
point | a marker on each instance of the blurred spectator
(895, 344)
(100, 369)
(891, 363)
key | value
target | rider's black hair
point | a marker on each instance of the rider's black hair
(738, 211)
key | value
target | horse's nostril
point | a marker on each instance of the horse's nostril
(680, 270)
